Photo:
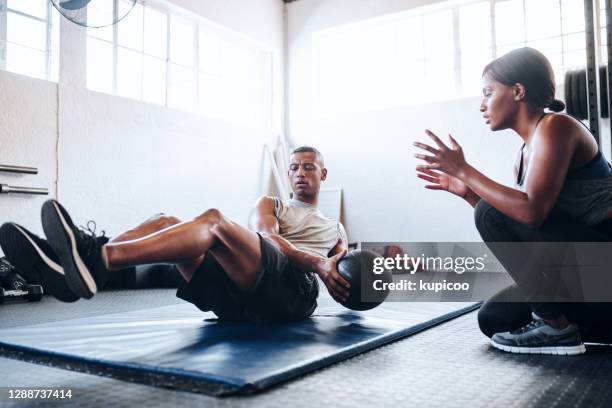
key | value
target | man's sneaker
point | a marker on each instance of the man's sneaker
(34, 258)
(80, 253)
(539, 338)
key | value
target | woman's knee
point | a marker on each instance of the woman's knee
(488, 219)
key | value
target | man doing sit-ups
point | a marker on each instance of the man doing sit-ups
(266, 273)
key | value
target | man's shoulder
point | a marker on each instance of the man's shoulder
(267, 204)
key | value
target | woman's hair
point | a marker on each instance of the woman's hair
(531, 68)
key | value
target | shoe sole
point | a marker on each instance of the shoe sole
(61, 238)
(558, 351)
(22, 249)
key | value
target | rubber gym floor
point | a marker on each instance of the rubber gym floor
(451, 365)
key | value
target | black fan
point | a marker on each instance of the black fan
(94, 13)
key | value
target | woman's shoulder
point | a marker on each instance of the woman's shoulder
(561, 122)
(560, 127)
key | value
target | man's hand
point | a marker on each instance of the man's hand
(336, 285)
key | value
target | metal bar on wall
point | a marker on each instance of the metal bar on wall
(592, 73)
(18, 169)
(6, 189)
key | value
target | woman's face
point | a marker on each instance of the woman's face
(499, 103)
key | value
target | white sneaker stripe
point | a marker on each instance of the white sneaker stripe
(82, 268)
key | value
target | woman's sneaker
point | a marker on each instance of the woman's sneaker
(539, 338)
(80, 253)
(34, 258)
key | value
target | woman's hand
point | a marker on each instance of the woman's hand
(441, 181)
(444, 159)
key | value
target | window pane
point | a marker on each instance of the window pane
(504, 49)
(181, 41)
(155, 34)
(440, 79)
(180, 88)
(99, 66)
(547, 47)
(574, 59)
(36, 8)
(543, 19)
(574, 42)
(26, 61)
(130, 29)
(154, 81)
(509, 22)
(438, 29)
(573, 15)
(26, 31)
(475, 27)
(472, 65)
(129, 73)
(211, 53)
(410, 38)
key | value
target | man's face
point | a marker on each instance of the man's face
(305, 174)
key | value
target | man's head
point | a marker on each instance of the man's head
(306, 172)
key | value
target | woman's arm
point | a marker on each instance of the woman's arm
(552, 149)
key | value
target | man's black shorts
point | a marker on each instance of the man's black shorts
(282, 293)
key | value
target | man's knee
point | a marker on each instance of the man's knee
(212, 216)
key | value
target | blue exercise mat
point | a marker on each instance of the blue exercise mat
(180, 347)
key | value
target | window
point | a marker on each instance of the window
(174, 59)
(437, 52)
(29, 38)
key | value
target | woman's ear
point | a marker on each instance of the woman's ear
(519, 92)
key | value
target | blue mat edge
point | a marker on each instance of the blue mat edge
(230, 386)
(356, 350)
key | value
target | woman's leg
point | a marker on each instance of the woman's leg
(502, 313)
(495, 227)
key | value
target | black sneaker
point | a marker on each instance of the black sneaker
(34, 259)
(79, 252)
(539, 338)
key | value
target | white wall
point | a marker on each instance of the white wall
(370, 154)
(120, 161)
(28, 129)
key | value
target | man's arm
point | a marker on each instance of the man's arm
(263, 220)
(342, 244)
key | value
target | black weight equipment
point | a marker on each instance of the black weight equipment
(576, 93)
(568, 92)
(575, 97)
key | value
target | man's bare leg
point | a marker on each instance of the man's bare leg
(236, 248)
(157, 223)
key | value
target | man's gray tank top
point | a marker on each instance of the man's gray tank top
(305, 226)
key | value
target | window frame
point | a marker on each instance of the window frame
(458, 90)
(197, 24)
(49, 22)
